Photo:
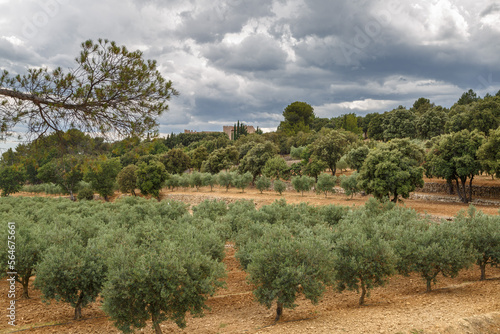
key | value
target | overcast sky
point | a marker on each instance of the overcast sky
(247, 60)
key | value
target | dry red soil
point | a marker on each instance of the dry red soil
(459, 305)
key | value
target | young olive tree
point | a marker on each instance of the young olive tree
(262, 183)
(196, 180)
(350, 184)
(430, 249)
(241, 181)
(361, 260)
(482, 233)
(282, 267)
(161, 281)
(73, 273)
(279, 186)
(326, 183)
(27, 244)
(209, 180)
(225, 179)
(302, 183)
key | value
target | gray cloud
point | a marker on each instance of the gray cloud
(247, 61)
(254, 53)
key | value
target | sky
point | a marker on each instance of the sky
(247, 60)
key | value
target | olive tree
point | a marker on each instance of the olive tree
(73, 273)
(279, 186)
(262, 183)
(361, 260)
(430, 249)
(482, 233)
(159, 281)
(326, 183)
(350, 184)
(241, 181)
(27, 243)
(302, 183)
(225, 179)
(283, 266)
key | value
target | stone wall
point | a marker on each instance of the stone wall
(477, 191)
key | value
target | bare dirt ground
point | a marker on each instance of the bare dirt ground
(460, 305)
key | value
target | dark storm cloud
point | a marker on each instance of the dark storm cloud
(209, 23)
(242, 60)
(254, 54)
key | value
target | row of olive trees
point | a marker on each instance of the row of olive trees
(154, 261)
(148, 260)
(288, 250)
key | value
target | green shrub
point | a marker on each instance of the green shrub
(85, 194)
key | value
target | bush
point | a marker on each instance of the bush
(85, 194)
(262, 183)
(279, 186)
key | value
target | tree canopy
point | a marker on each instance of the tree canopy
(392, 169)
(111, 90)
(454, 157)
(299, 116)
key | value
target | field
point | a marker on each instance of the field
(459, 305)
